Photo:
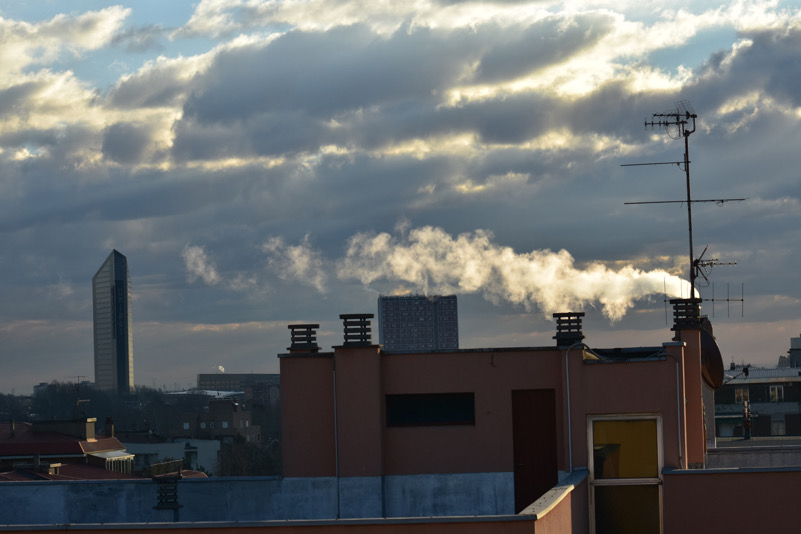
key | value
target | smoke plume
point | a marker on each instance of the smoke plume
(198, 265)
(435, 262)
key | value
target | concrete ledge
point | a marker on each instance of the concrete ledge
(231, 525)
(724, 470)
(555, 495)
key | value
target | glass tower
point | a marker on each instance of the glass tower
(111, 306)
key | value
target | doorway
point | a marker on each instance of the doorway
(534, 442)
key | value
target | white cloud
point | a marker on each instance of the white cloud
(40, 43)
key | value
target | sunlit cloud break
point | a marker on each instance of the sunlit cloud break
(435, 262)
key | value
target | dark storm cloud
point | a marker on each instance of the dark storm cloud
(326, 73)
(266, 134)
(303, 80)
(14, 99)
(525, 49)
(160, 86)
(125, 142)
(772, 64)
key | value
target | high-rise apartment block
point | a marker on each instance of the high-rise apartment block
(412, 323)
(111, 306)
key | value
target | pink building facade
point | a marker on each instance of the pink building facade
(491, 431)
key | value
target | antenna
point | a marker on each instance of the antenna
(680, 122)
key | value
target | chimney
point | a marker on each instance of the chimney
(568, 328)
(13, 427)
(357, 329)
(686, 315)
(109, 427)
(304, 338)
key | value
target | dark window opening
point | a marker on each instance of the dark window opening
(430, 409)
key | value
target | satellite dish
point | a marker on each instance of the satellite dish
(711, 361)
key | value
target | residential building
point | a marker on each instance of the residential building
(491, 431)
(418, 323)
(56, 450)
(224, 419)
(766, 402)
(113, 326)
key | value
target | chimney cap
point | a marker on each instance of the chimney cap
(304, 337)
(357, 329)
(568, 328)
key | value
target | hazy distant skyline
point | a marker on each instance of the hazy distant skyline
(262, 163)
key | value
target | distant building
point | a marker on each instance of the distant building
(224, 419)
(795, 352)
(236, 381)
(56, 450)
(113, 341)
(774, 402)
(412, 323)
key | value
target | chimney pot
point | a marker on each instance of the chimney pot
(304, 337)
(357, 329)
(686, 314)
(568, 328)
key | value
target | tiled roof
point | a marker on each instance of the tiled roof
(26, 442)
(67, 471)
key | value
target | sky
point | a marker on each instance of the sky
(263, 163)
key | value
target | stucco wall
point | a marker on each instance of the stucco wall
(733, 501)
(257, 498)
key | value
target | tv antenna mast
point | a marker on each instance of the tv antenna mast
(680, 122)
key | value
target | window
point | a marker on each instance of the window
(625, 473)
(225, 424)
(203, 425)
(431, 409)
(776, 393)
(186, 426)
(741, 395)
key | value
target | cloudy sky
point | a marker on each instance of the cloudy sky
(266, 162)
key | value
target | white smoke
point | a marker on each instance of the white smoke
(199, 266)
(296, 262)
(435, 262)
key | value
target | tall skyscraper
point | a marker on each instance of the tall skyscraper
(111, 306)
(412, 323)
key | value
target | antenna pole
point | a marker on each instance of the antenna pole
(693, 267)
(681, 119)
